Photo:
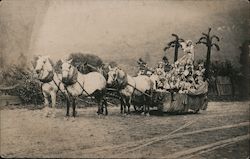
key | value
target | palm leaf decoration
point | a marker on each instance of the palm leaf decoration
(174, 44)
(207, 40)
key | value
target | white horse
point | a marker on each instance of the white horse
(90, 84)
(51, 83)
(139, 86)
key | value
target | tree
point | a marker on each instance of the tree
(207, 40)
(176, 44)
(81, 60)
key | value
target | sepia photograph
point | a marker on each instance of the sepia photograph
(152, 79)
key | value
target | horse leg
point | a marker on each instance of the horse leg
(128, 102)
(105, 106)
(135, 108)
(123, 105)
(99, 111)
(144, 111)
(46, 104)
(147, 111)
(53, 103)
(68, 105)
(148, 102)
(74, 107)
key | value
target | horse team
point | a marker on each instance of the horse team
(73, 83)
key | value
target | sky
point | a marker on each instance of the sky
(120, 31)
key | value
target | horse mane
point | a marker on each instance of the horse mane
(51, 62)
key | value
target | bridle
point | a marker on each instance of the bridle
(116, 74)
(120, 85)
(49, 77)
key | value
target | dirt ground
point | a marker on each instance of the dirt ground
(222, 131)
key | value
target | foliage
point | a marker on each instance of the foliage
(207, 40)
(85, 63)
(28, 89)
(224, 68)
(175, 44)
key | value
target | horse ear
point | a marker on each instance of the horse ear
(63, 61)
(109, 67)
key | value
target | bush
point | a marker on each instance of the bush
(27, 89)
(79, 60)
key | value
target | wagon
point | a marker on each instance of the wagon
(179, 102)
(165, 101)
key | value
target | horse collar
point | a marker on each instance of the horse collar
(48, 78)
(73, 79)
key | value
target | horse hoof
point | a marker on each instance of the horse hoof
(73, 119)
(142, 113)
(66, 118)
(147, 114)
(53, 115)
(47, 114)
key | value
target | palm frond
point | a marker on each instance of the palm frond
(181, 40)
(209, 30)
(217, 46)
(205, 38)
(172, 45)
(167, 47)
(206, 35)
(216, 37)
(201, 42)
(176, 36)
(171, 42)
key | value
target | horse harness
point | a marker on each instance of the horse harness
(74, 80)
(50, 78)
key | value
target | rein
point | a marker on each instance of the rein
(83, 90)
(72, 80)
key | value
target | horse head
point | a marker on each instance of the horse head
(69, 72)
(43, 67)
(117, 76)
(112, 75)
